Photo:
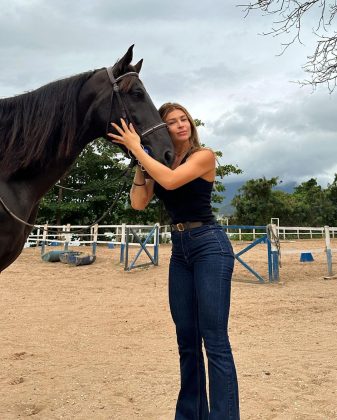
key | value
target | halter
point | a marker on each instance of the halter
(124, 111)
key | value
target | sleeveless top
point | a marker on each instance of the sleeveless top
(189, 203)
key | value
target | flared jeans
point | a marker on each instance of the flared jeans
(200, 275)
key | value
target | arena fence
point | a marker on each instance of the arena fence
(143, 236)
(292, 232)
(147, 239)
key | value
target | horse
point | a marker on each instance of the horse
(43, 131)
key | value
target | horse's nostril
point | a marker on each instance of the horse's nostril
(168, 157)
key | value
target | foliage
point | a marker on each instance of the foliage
(255, 202)
(90, 187)
(309, 205)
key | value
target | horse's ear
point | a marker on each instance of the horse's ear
(138, 66)
(122, 65)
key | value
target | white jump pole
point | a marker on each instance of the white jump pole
(328, 251)
(95, 238)
(67, 237)
(44, 238)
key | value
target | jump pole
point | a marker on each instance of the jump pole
(95, 237)
(273, 253)
(67, 237)
(121, 258)
(156, 244)
(44, 238)
(328, 252)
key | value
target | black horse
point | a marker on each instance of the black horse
(42, 133)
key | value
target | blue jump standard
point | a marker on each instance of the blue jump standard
(250, 246)
(142, 244)
(273, 256)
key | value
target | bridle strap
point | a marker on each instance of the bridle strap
(115, 80)
(153, 129)
(115, 90)
(124, 111)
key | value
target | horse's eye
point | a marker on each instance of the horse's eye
(138, 94)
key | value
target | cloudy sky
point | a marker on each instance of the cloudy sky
(209, 58)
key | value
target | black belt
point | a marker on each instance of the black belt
(186, 226)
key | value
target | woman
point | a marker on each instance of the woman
(201, 265)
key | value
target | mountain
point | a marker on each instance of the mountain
(232, 189)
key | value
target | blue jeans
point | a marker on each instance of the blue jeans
(200, 275)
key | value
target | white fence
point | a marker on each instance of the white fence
(291, 232)
(115, 234)
(248, 233)
(85, 234)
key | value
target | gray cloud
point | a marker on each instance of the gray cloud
(294, 139)
(208, 58)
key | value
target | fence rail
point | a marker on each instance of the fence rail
(292, 232)
(242, 232)
(115, 234)
(84, 234)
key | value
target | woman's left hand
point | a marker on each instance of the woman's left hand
(128, 136)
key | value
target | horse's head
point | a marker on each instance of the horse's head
(117, 92)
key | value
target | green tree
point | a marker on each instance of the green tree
(312, 204)
(221, 172)
(88, 188)
(331, 192)
(308, 205)
(257, 202)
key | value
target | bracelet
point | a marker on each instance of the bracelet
(139, 185)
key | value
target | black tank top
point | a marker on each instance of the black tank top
(189, 203)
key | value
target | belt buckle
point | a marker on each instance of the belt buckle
(180, 227)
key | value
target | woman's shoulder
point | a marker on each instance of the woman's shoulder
(202, 152)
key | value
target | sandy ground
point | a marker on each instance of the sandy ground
(96, 342)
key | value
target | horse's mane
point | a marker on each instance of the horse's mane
(39, 124)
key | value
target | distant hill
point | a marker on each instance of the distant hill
(232, 189)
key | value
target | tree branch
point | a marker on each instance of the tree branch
(322, 64)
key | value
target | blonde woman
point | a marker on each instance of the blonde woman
(201, 265)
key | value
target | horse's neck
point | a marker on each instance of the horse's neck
(36, 176)
(40, 184)
(31, 189)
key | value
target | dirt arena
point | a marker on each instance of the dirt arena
(96, 342)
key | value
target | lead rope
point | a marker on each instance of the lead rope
(13, 215)
(125, 174)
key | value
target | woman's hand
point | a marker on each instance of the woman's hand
(128, 136)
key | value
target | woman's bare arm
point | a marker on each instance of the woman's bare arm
(141, 192)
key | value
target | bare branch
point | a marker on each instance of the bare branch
(322, 64)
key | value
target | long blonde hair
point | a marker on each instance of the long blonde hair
(168, 107)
